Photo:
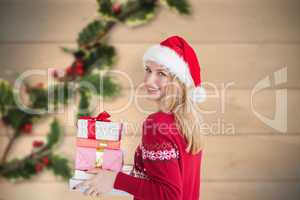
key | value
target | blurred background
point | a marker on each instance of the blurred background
(249, 55)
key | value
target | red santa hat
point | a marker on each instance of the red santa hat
(180, 59)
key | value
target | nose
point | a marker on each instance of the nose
(150, 79)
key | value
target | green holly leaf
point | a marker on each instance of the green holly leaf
(91, 32)
(101, 57)
(6, 97)
(181, 6)
(16, 118)
(103, 84)
(54, 135)
(39, 98)
(84, 103)
(60, 166)
(105, 8)
(60, 94)
(143, 14)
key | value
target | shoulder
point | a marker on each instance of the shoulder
(160, 116)
(160, 128)
(160, 119)
(160, 125)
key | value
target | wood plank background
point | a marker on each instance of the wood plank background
(238, 42)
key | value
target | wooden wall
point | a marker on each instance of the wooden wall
(237, 41)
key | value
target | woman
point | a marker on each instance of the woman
(167, 162)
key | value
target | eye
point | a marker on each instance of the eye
(147, 69)
(162, 74)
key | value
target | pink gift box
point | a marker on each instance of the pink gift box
(89, 143)
(112, 160)
(85, 158)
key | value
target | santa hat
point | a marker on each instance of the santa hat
(180, 59)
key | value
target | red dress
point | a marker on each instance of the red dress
(162, 169)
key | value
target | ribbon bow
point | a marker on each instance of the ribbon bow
(103, 116)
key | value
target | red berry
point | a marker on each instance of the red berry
(69, 70)
(55, 74)
(79, 63)
(116, 8)
(37, 143)
(45, 160)
(38, 167)
(26, 128)
(79, 68)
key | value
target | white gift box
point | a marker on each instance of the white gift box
(80, 176)
(73, 182)
(111, 131)
(82, 128)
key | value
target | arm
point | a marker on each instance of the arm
(160, 158)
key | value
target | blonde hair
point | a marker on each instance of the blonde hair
(187, 115)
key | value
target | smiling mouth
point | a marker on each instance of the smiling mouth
(151, 90)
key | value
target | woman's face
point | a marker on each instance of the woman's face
(155, 80)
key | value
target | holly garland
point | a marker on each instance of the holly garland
(92, 55)
(21, 122)
(41, 157)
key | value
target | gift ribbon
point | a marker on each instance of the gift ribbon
(99, 157)
(120, 131)
(103, 116)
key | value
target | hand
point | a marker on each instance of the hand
(101, 183)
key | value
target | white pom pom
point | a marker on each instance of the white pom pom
(198, 94)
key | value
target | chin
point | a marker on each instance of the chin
(153, 97)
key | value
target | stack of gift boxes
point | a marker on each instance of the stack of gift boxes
(98, 146)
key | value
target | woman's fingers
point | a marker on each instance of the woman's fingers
(83, 184)
(98, 194)
(93, 193)
(89, 191)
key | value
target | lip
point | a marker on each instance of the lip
(152, 90)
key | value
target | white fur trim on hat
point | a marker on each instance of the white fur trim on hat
(173, 62)
(197, 94)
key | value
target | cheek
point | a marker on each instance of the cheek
(152, 79)
(146, 77)
(162, 83)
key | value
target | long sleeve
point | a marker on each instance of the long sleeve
(160, 157)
